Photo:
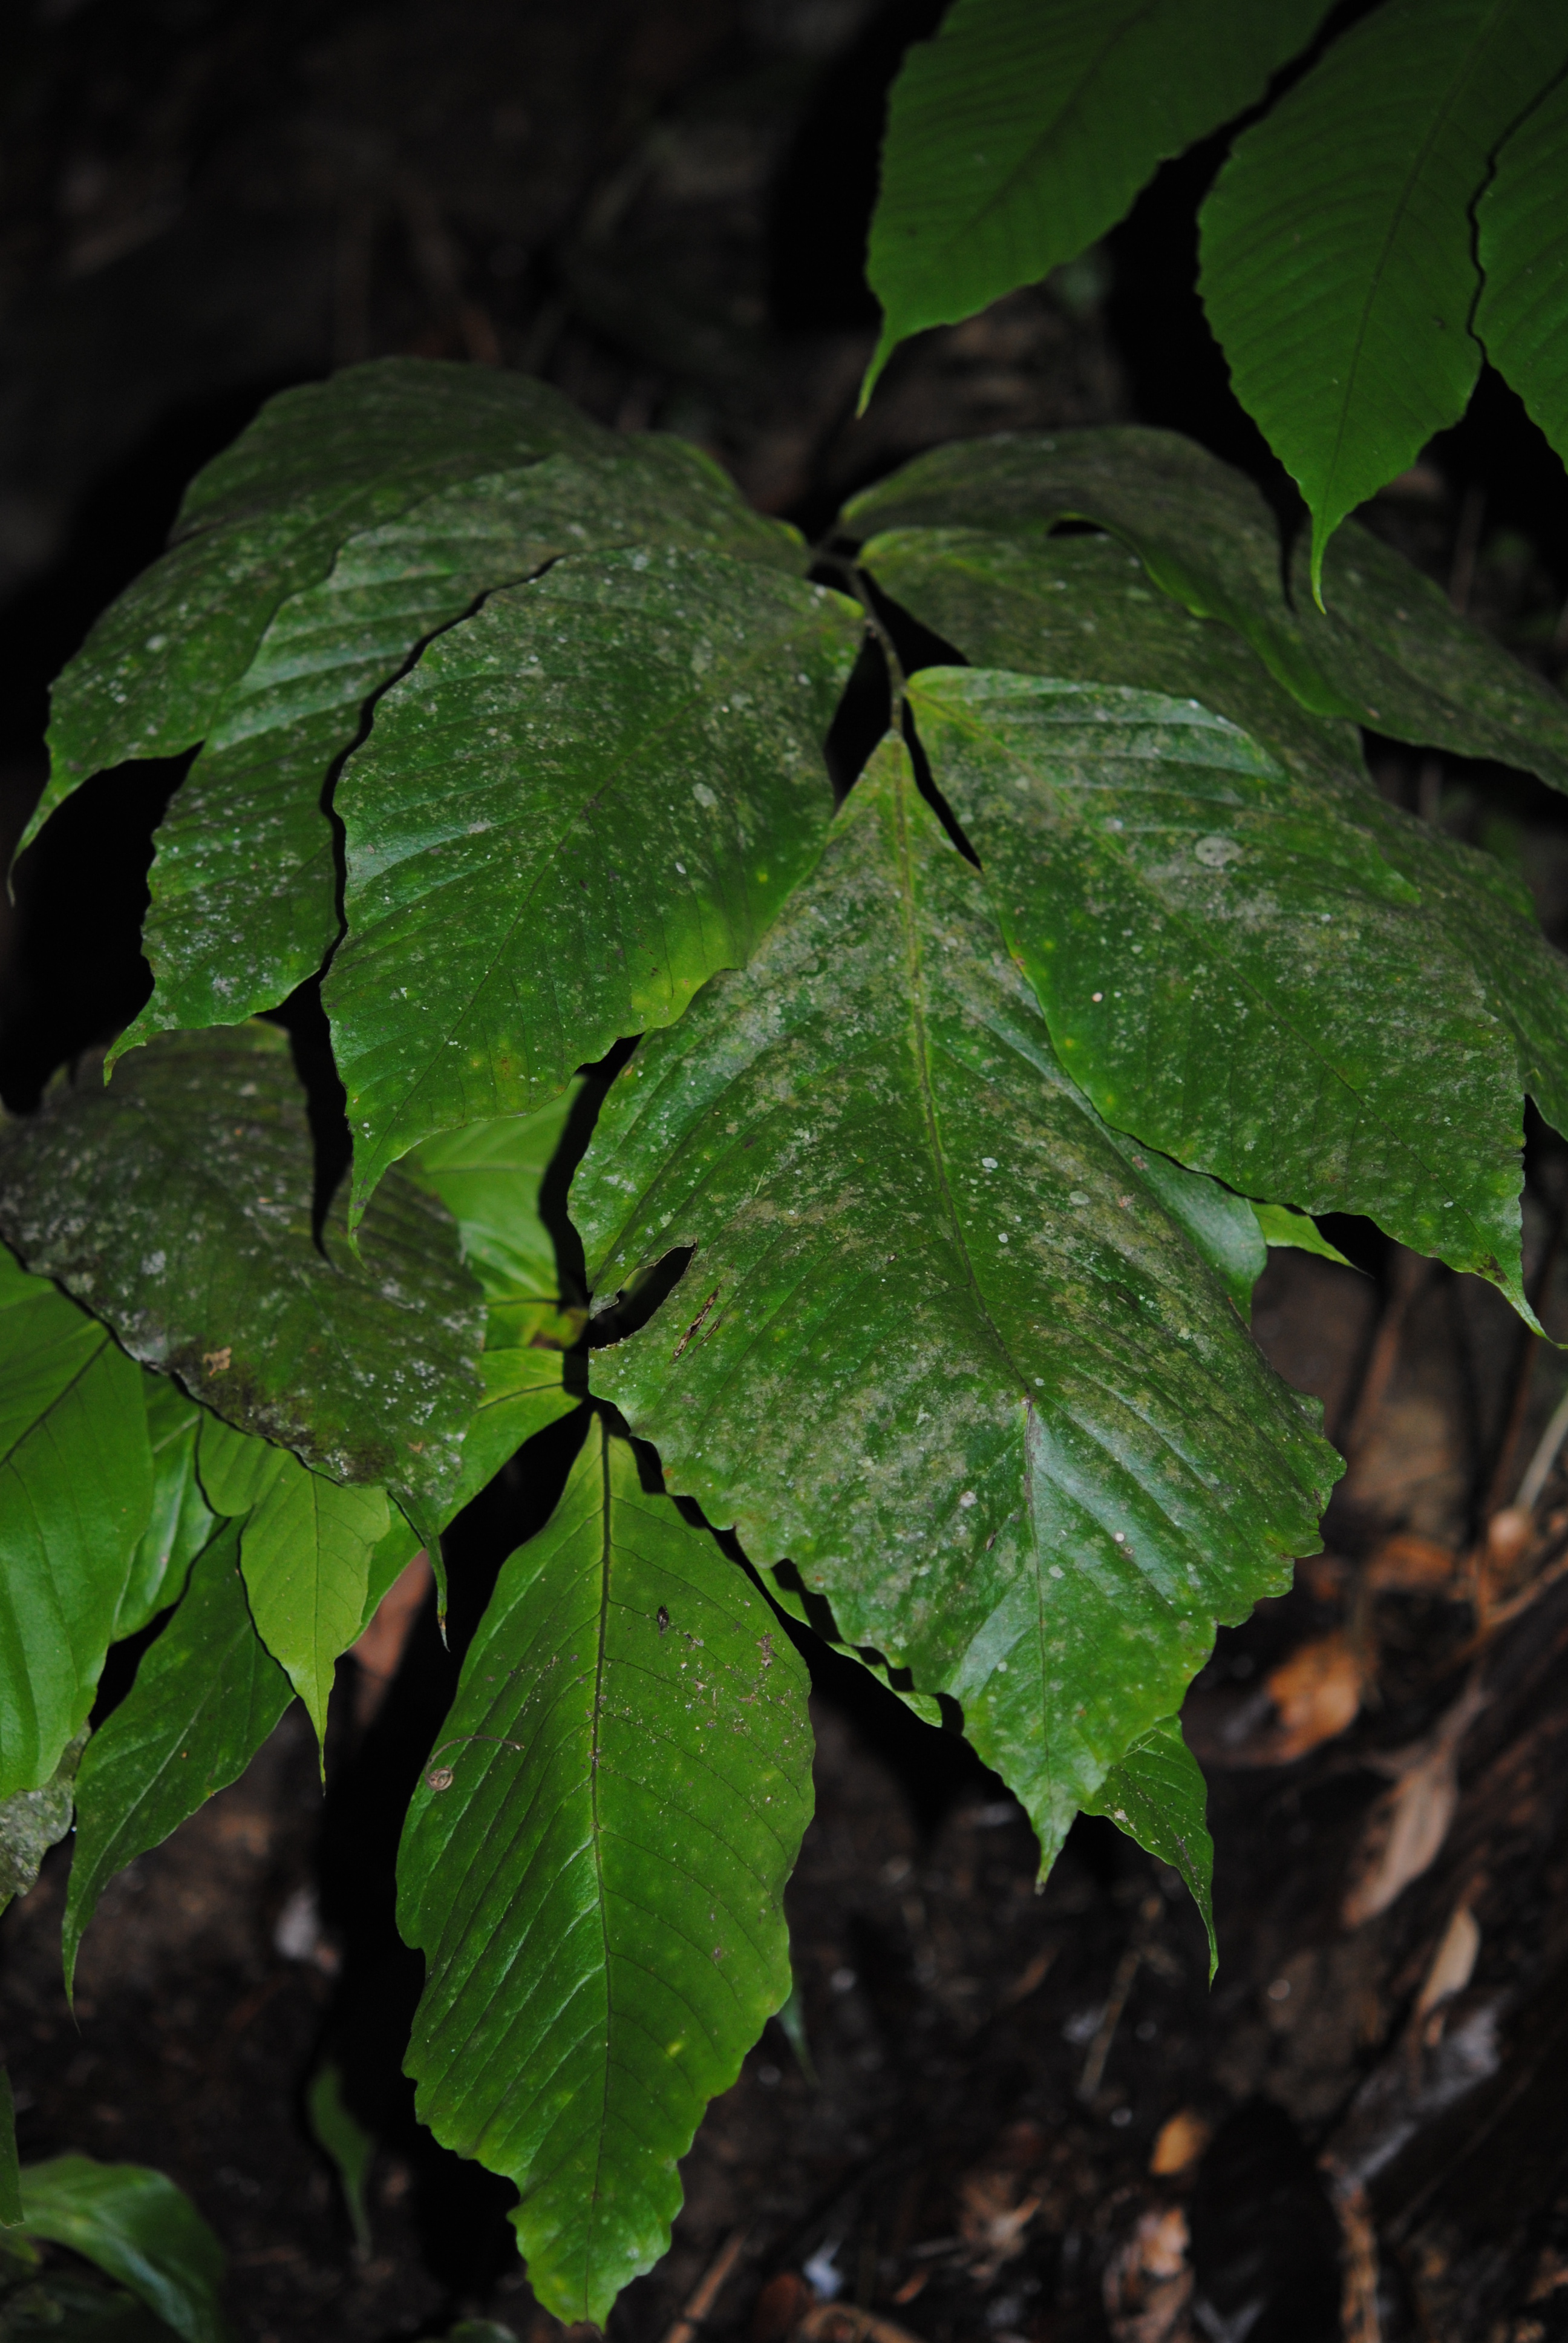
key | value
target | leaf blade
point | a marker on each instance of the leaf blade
(1521, 316)
(532, 745)
(140, 2229)
(1336, 264)
(630, 1834)
(1045, 1367)
(1157, 1796)
(1021, 134)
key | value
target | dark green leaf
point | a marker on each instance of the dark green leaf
(1228, 962)
(346, 2140)
(1521, 316)
(181, 1522)
(1338, 266)
(177, 1204)
(305, 1551)
(1389, 653)
(265, 519)
(941, 1342)
(140, 2229)
(1157, 1794)
(1023, 133)
(489, 1176)
(10, 2172)
(1079, 609)
(574, 809)
(32, 1821)
(205, 1696)
(244, 883)
(76, 1490)
(71, 2307)
(594, 1869)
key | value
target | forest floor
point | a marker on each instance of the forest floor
(1027, 2115)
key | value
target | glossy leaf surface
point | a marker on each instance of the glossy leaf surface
(1388, 653)
(574, 809)
(243, 882)
(305, 1552)
(206, 1695)
(76, 1491)
(320, 463)
(1522, 221)
(177, 1204)
(140, 2229)
(598, 1891)
(1227, 963)
(940, 1343)
(1157, 1794)
(1021, 133)
(32, 1821)
(1338, 268)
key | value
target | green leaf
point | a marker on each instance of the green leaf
(941, 1342)
(243, 882)
(533, 869)
(1337, 262)
(1228, 962)
(140, 2229)
(524, 1392)
(1080, 609)
(32, 1821)
(345, 2140)
(594, 1869)
(1280, 1226)
(1390, 653)
(489, 1175)
(1157, 1796)
(320, 463)
(305, 1552)
(1023, 133)
(1521, 316)
(10, 2171)
(181, 1522)
(76, 1490)
(177, 1204)
(206, 1695)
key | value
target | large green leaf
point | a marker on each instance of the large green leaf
(177, 1204)
(305, 1555)
(1023, 131)
(1388, 653)
(941, 1342)
(205, 1696)
(573, 811)
(1338, 266)
(594, 1869)
(181, 1522)
(76, 1491)
(1229, 964)
(265, 519)
(141, 2229)
(244, 880)
(32, 1821)
(1521, 316)
(1157, 1794)
(1449, 931)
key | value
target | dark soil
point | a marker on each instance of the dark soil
(1030, 2116)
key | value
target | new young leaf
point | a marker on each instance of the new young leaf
(940, 1342)
(594, 1869)
(574, 809)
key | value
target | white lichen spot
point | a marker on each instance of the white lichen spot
(968, 1499)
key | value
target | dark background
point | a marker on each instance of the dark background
(660, 206)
